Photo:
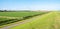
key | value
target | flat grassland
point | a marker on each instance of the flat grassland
(47, 21)
(18, 14)
(11, 17)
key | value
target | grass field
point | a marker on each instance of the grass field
(18, 14)
(47, 21)
(11, 17)
(5, 15)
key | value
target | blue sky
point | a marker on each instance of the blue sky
(30, 4)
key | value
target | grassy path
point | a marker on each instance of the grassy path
(57, 20)
(47, 21)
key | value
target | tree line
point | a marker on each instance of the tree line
(3, 10)
(15, 11)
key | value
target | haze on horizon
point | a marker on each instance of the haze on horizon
(30, 4)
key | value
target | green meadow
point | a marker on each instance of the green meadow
(11, 17)
(46, 21)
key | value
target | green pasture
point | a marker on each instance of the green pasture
(11, 17)
(46, 21)
(18, 14)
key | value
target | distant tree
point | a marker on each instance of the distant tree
(5, 10)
